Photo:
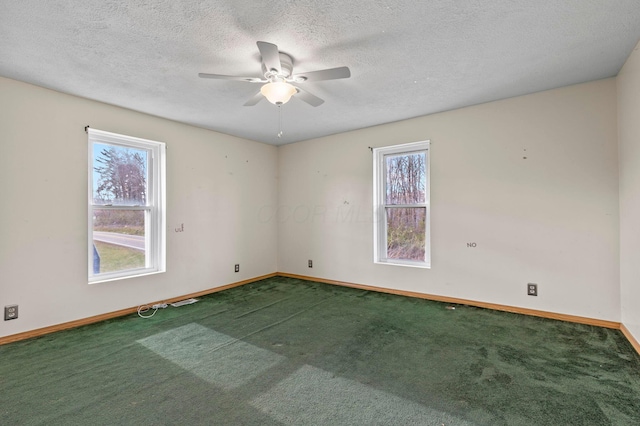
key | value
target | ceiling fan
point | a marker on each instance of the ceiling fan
(278, 76)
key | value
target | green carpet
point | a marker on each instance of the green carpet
(289, 352)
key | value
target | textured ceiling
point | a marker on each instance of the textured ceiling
(407, 58)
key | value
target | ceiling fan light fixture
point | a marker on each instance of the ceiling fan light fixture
(278, 92)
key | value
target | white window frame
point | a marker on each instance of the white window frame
(379, 207)
(155, 207)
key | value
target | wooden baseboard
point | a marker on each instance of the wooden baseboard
(494, 306)
(544, 314)
(109, 315)
(630, 338)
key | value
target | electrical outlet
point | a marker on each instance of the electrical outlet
(310, 263)
(10, 312)
(237, 267)
(532, 289)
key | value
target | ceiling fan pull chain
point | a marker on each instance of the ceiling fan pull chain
(279, 121)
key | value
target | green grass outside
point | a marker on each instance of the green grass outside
(128, 230)
(118, 258)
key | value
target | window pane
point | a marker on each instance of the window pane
(119, 175)
(118, 239)
(406, 233)
(406, 178)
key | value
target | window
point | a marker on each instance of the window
(126, 206)
(401, 205)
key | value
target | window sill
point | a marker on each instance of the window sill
(144, 273)
(406, 263)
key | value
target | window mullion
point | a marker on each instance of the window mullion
(405, 206)
(112, 207)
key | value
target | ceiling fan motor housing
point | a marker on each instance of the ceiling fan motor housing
(286, 66)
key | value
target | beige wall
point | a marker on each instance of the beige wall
(551, 218)
(629, 138)
(216, 185)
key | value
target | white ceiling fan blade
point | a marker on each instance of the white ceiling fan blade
(328, 74)
(232, 77)
(254, 99)
(312, 100)
(270, 56)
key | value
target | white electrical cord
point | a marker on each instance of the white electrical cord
(145, 308)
